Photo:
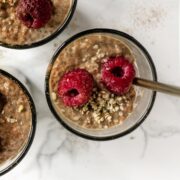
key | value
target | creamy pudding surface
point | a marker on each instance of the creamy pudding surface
(15, 119)
(14, 32)
(104, 110)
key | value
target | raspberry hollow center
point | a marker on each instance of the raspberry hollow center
(72, 93)
(117, 72)
(29, 18)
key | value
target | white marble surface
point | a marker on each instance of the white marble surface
(151, 151)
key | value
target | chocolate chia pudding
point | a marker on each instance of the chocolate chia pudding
(14, 32)
(15, 119)
(104, 109)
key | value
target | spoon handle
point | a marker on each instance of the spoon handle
(156, 86)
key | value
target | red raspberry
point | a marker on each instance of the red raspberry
(34, 13)
(75, 87)
(117, 75)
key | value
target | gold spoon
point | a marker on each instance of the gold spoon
(157, 86)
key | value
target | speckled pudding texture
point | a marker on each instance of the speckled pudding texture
(15, 119)
(104, 110)
(14, 32)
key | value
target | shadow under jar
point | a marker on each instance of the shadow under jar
(88, 50)
(17, 122)
(14, 34)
